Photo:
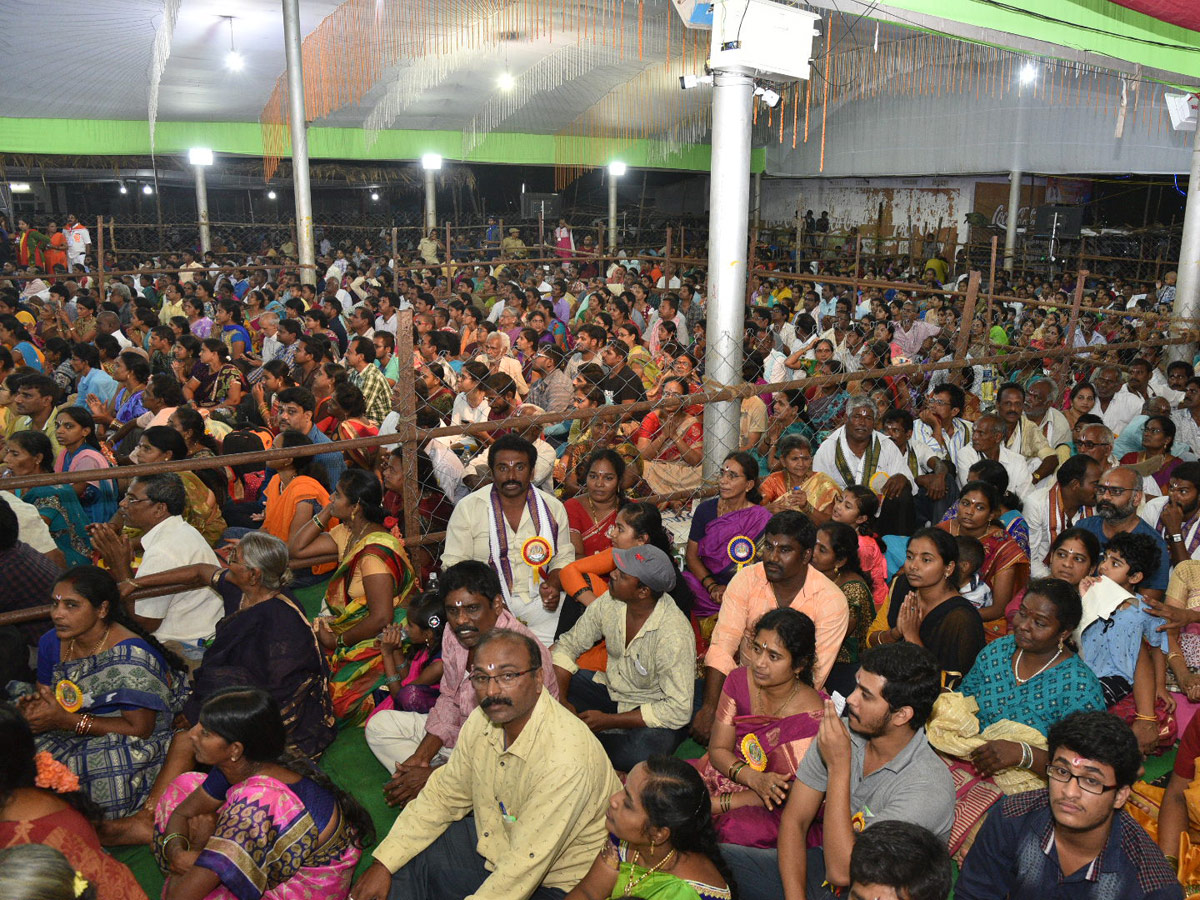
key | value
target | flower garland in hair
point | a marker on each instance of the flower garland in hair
(53, 775)
(80, 884)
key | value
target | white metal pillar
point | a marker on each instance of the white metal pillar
(1187, 287)
(758, 199)
(430, 200)
(612, 213)
(729, 201)
(1010, 225)
(299, 129)
(202, 209)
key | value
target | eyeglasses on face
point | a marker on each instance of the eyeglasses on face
(1111, 490)
(1091, 445)
(504, 679)
(1087, 783)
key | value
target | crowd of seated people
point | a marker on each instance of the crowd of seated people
(912, 622)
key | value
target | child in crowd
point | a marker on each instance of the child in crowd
(1120, 641)
(856, 507)
(412, 656)
(970, 584)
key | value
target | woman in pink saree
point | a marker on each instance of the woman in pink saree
(766, 718)
(725, 533)
(276, 830)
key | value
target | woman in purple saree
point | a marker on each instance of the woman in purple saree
(725, 533)
(766, 718)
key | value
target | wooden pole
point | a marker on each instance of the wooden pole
(992, 276)
(449, 258)
(395, 256)
(1075, 304)
(99, 259)
(964, 329)
(407, 428)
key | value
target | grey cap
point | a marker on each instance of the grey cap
(647, 564)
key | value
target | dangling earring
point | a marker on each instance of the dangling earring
(651, 854)
(837, 570)
(1062, 639)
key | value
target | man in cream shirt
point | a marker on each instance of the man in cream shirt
(482, 528)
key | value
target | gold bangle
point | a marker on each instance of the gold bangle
(1172, 655)
(1138, 717)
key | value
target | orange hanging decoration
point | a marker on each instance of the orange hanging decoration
(824, 107)
(795, 112)
(807, 105)
(641, 20)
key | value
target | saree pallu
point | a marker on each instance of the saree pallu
(783, 741)
(953, 730)
(348, 430)
(826, 412)
(59, 505)
(1001, 552)
(203, 511)
(266, 844)
(99, 500)
(713, 550)
(356, 671)
(279, 506)
(115, 770)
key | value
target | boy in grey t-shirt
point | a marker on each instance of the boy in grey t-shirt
(881, 767)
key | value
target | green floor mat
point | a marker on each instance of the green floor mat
(689, 749)
(141, 863)
(1157, 766)
(311, 597)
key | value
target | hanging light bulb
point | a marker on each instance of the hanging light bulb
(506, 82)
(1029, 73)
(146, 189)
(233, 59)
(270, 195)
(123, 189)
(374, 195)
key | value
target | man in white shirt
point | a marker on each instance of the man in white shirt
(154, 505)
(1115, 405)
(857, 454)
(1040, 411)
(1087, 335)
(386, 320)
(940, 427)
(986, 444)
(1187, 417)
(1059, 505)
(32, 528)
(78, 240)
(521, 531)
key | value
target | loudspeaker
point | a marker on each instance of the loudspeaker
(534, 205)
(1070, 221)
(1182, 110)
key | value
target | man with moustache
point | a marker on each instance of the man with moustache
(875, 766)
(523, 533)
(412, 744)
(519, 810)
(1067, 498)
(1177, 515)
(1118, 496)
(1072, 838)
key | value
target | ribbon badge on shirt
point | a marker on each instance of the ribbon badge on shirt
(752, 750)
(741, 551)
(536, 552)
(69, 695)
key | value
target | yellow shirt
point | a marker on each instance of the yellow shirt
(554, 783)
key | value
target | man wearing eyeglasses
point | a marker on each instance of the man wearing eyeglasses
(412, 744)
(1118, 496)
(1072, 839)
(519, 810)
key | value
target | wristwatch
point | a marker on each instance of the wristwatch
(1177, 539)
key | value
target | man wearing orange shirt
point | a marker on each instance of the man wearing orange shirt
(784, 578)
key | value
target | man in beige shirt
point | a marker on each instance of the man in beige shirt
(533, 775)
(784, 578)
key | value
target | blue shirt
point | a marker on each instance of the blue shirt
(1111, 646)
(97, 382)
(334, 463)
(1015, 857)
(1154, 582)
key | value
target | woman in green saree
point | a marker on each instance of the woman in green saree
(369, 589)
(31, 453)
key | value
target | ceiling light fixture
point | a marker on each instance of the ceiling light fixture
(431, 161)
(233, 59)
(687, 82)
(506, 82)
(19, 187)
(200, 156)
(1029, 73)
(146, 189)
(122, 188)
(374, 195)
(270, 195)
(616, 168)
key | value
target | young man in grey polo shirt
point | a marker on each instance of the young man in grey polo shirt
(882, 768)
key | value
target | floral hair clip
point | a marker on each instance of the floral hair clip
(53, 775)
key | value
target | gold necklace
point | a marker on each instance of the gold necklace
(634, 882)
(95, 650)
(781, 706)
